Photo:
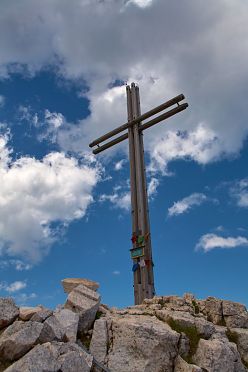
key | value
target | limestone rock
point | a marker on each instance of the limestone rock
(8, 312)
(18, 338)
(52, 330)
(85, 302)
(99, 341)
(240, 337)
(54, 357)
(182, 366)
(141, 343)
(70, 283)
(69, 321)
(27, 312)
(41, 315)
(235, 314)
(215, 355)
(213, 308)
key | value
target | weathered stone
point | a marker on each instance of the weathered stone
(70, 283)
(182, 366)
(184, 345)
(73, 358)
(213, 308)
(18, 338)
(240, 337)
(52, 331)
(8, 312)
(215, 355)
(69, 322)
(26, 313)
(235, 314)
(41, 316)
(232, 308)
(141, 343)
(99, 341)
(85, 302)
(204, 328)
(54, 357)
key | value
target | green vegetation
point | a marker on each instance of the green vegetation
(85, 338)
(232, 336)
(191, 333)
(196, 307)
(98, 315)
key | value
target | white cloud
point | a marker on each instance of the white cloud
(2, 101)
(186, 204)
(211, 241)
(205, 57)
(140, 3)
(120, 200)
(13, 287)
(152, 187)
(119, 164)
(23, 298)
(240, 192)
(17, 264)
(116, 272)
(38, 194)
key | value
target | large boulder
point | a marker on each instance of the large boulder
(240, 337)
(18, 339)
(26, 313)
(140, 343)
(213, 309)
(52, 330)
(217, 355)
(8, 312)
(70, 283)
(42, 315)
(54, 357)
(99, 340)
(69, 321)
(235, 314)
(85, 302)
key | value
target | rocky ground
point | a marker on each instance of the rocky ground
(167, 333)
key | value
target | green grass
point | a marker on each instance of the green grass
(196, 307)
(191, 333)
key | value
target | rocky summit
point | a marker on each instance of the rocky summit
(166, 333)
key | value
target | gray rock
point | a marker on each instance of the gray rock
(52, 331)
(204, 328)
(216, 356)
(184, 345)
(8, 312)
(235, 314)
(54, 357)
(18, 338)
(240, 336)
(141, 343)
(213, 309)
(99, 341)
(69, 321)
(85, 302)
(182, 366)
(41, 316)
(26, 313)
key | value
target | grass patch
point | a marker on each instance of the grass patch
(98, 315)
(85, 338)
(191, 333)
(196, 307)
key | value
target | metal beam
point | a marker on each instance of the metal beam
(146, 115)
(144, 126)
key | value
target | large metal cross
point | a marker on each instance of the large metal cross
(141, 251)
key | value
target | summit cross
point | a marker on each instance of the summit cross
(141, 251)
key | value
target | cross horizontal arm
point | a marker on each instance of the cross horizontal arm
(144, 126)
(144, 116)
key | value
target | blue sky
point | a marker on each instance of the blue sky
(66, 213)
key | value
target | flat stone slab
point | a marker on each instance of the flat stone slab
(70, 283)
(8, 312)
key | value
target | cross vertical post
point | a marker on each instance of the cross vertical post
(141, 251)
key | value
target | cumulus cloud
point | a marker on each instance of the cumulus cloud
(202, 54)
(2, 101)
(119, 199)
(240, 192)
(211, 241)
(13, 287)
(17, 264)
(186, 204)
(119, 164)
(37, 197)
(152, 187)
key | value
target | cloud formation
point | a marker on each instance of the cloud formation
(186, 204)
(38, 198)
(197, 48)
(13, 287)
(240, 192)
(209, 242)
